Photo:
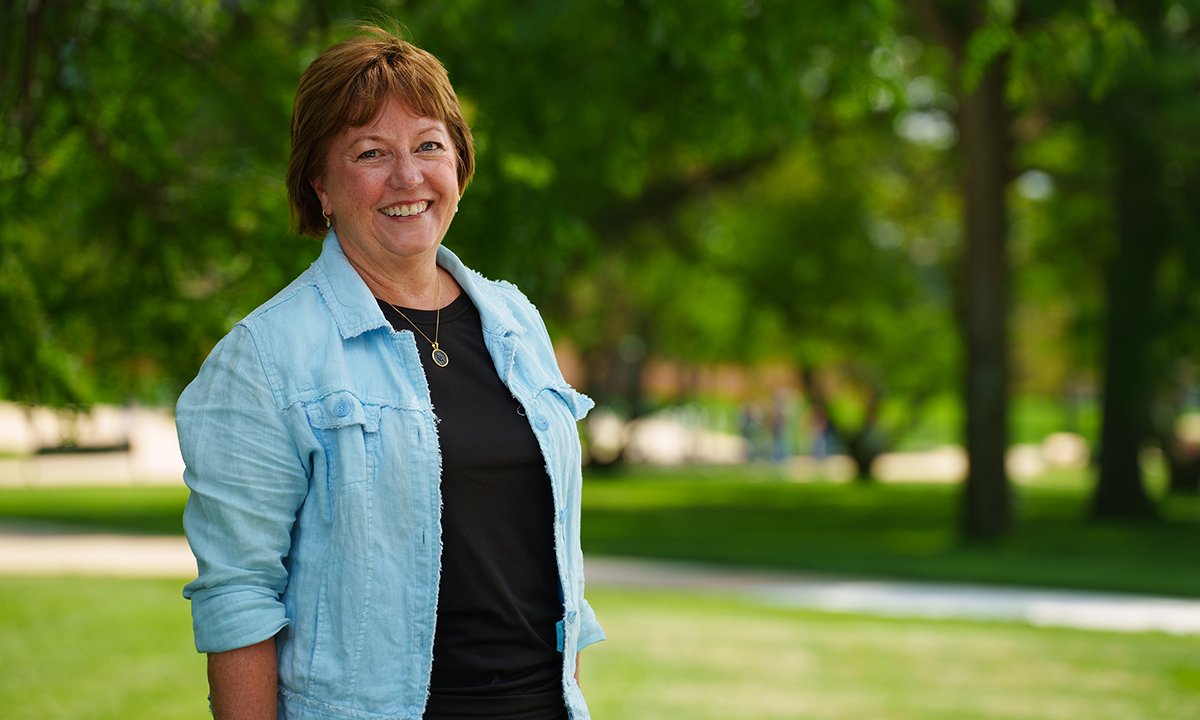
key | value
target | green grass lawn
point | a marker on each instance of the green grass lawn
(671, 656)
(98, 649)
(891, 530)
(138, 510)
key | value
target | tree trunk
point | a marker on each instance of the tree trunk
(984, 126)
(1183, 465)
(1129, 327)
(984, 121)
(864, 445)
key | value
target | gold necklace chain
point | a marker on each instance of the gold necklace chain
(440, 358)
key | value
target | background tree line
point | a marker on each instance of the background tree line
(900, 199)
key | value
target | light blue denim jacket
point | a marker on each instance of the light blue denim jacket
(315, 510)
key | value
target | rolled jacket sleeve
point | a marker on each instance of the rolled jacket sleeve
(247, 482)
(590, 631)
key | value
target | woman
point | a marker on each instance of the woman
(383, 459)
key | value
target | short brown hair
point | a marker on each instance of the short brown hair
(345, 87)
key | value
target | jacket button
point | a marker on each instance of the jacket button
(342, 409)
(542, 423)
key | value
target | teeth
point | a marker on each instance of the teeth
(406, 210)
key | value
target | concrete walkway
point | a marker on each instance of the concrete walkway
(1052, 608)
(35, 550)
(42, 550)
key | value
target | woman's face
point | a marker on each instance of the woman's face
(390, 189)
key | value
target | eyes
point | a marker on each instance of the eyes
(428, 146)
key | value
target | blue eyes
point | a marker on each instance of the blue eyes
(427, 146)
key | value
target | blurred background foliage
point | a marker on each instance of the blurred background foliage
(904, 202)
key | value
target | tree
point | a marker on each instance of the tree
(614, 121)
(1116, 115)
(984, 119)
(1149, 121)
(833, 284)
(143, 273)
(34, 366)
(137, 207)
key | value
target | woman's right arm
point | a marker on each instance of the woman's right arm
(247, 483)
(243, 683)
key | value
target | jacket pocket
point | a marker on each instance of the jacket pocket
(348, 431)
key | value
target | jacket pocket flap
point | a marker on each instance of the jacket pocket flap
(341, 409)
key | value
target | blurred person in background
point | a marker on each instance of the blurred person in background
(383, 461)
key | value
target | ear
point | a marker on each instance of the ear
(318, 186)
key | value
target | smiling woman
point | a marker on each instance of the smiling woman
(359, 556)
(390, 191)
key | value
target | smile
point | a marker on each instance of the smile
(406, 210)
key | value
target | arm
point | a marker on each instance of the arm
(247, 483)
(243, 683)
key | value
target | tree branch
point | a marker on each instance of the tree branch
(939, 28)
(663, 199)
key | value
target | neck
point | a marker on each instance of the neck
(419, 284)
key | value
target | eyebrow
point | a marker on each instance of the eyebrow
(373, 137)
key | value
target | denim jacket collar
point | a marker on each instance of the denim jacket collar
(355, 310)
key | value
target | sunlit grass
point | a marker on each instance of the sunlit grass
(102, 649)
(99, 649)
(699, 658)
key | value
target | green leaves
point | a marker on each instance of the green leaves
(984, 47)
(691, 173)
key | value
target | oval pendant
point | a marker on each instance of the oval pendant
(440, 358)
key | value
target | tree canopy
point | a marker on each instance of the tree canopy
(701, 181)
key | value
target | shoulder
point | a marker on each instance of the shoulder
(511, 296)
(300, 297)
(500, 302)
(273, 332)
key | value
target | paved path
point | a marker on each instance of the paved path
(42, 550)
(28, 550)
(1056, 608)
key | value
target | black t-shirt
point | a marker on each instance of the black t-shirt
(495, 647)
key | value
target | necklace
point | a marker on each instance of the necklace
(440, 358)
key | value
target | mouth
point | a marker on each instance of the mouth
(406, 209)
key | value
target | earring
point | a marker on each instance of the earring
(326, 218)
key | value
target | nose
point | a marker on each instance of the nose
(406, 172)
